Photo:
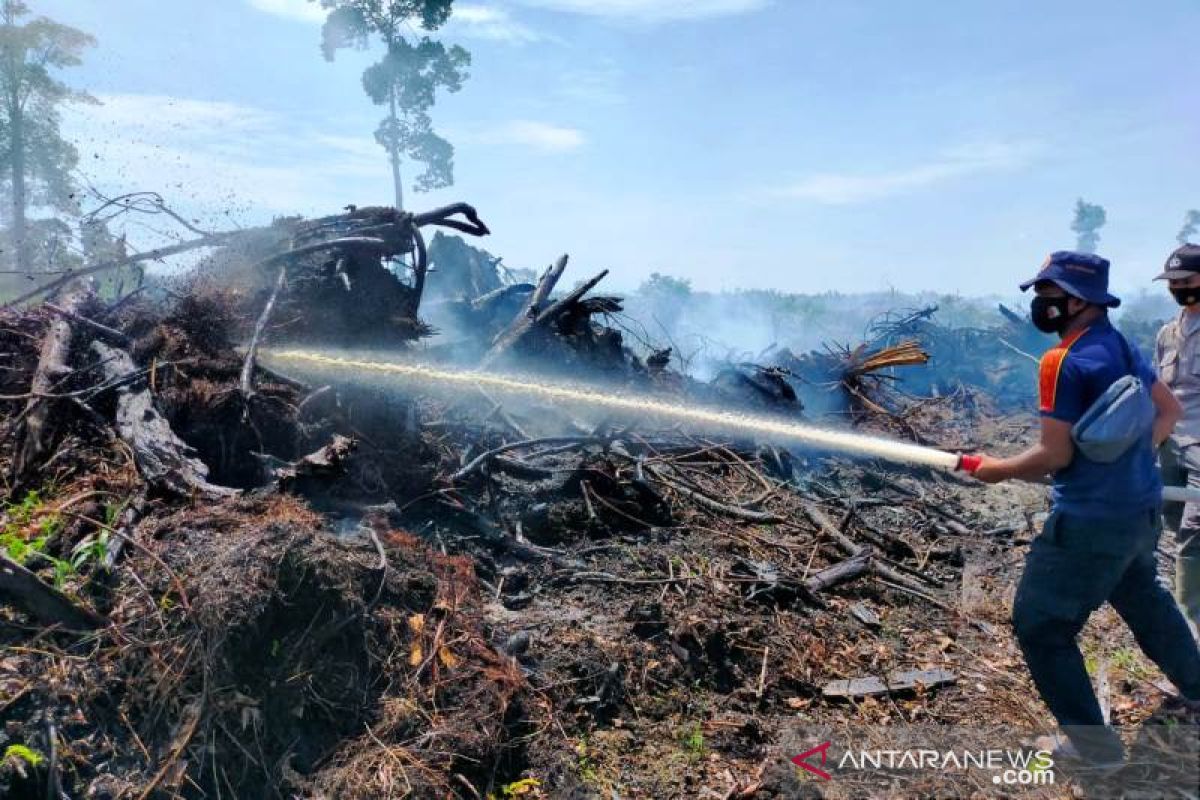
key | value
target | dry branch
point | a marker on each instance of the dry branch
(483, 458)
(34, 434)
(525, 319)
(847, 546)
(574, 296)
(103, 330)
(162, 457)
(326, 463)
(215, 240)
(532, 321)
(841, 572)
(712, 504)
(260, 325)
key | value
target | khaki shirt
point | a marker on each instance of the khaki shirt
(1177, 361)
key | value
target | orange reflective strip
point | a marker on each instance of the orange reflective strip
(1051, 367)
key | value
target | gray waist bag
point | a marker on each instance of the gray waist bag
(1118, 419)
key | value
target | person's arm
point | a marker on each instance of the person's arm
(1170, 411)
(1054, 450)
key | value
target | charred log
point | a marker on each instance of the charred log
(43, 602)
(163, 459)
(35, 433)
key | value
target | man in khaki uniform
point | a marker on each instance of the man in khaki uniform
(1177, 359)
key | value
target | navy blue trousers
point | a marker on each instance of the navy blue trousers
(1075, 566)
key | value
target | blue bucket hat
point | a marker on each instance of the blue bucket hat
(1083, 275)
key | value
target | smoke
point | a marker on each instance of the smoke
(1191, 223)
(1089, 219)
(708, 330)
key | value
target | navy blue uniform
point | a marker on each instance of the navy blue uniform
(1072, 376)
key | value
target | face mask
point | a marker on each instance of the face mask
(1050, 314)
(1187, 297)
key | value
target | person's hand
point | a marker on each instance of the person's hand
(989, 470)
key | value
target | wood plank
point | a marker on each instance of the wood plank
(896, 682)
(863, 613)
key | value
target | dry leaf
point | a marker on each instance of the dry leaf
(448, 659)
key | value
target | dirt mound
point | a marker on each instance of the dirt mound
(253, 653)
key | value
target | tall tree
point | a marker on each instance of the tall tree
(1089, 219)
(1191, 223)
(405, 80)
(39, 161)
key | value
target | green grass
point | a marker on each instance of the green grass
(692, 740)
(29, 526)
(1127, 659)
(584, 764)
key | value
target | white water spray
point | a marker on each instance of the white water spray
(708, 419)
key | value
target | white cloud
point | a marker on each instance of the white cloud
(469, 21)
(301, 10)
(489, 22)
(651, 10)
(832, 188)
(600, 85)
(530, 133)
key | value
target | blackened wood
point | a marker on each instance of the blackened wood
(41, 601)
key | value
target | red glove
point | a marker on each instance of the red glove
(968, 462)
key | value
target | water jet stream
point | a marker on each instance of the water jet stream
(709, 419)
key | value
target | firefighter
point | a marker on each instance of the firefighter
(1098, 543)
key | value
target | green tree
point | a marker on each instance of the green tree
(666, 297)
(1191, 222)
(1089, 219)
(666, 287)
(39, 161)
(405, 80)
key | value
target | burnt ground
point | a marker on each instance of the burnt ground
(388, 608)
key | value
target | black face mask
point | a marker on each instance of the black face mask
(1187, 297)
(1050, 314)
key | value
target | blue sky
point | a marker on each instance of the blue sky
(806, 146)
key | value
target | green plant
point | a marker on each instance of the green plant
(1127, 659)
(30, 524)
(15, 539)
(20, 752)
(525, 787)
(692, 740)
(584, 764)
(91, 549)
(112, 513)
